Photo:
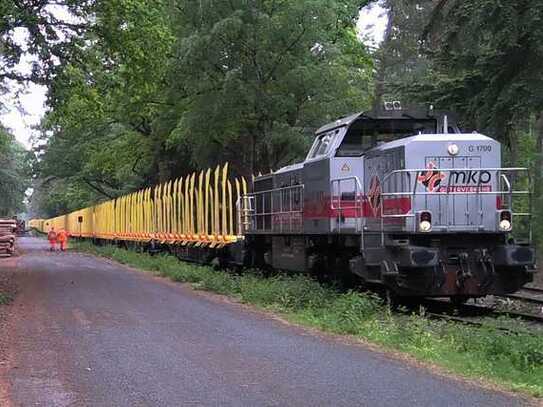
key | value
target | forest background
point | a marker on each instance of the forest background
(142, 91)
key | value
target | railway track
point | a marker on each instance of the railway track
(477, 315)
(520, 315)
(536, 290)
(475, 322)
(493, 312)
(532, 295)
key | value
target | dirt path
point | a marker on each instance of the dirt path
(85, 332)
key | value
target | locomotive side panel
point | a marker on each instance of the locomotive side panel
(317, 196)
(377, 167)
(347, 194)
(287, 200)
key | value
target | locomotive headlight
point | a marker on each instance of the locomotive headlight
(425, 226)
(453, 149)
(505, 221)
(505, 225)
(425, 221)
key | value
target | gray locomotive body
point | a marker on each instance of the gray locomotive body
(401, 199)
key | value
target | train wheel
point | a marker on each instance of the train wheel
(391, 299)
(459, 300)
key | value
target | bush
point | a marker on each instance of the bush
(5, 299)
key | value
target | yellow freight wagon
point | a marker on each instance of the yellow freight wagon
(199, 209)
(36, 224)
(57, 223)
(81, 223)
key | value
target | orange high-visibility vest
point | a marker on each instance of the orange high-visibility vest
(61, 237)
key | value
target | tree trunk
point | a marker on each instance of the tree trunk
(252, 161)
(382, 60)
(538, 177)
(513, 147)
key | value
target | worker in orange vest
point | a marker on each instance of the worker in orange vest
(62, 238)
(52, 237)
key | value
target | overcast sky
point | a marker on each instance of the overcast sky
(24, 107)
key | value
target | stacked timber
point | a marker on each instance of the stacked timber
(7, 236)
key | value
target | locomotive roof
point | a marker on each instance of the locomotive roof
(292, 167)
(436, 137)
(407, 114)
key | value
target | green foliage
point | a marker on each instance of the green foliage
(14, 174)
(154, 90)
(486, 62)
(5, 298)
(51, 35)
(259, 77)
(99, 134)
(399, 58)
(514, 361)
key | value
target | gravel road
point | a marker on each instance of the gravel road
(86, 332)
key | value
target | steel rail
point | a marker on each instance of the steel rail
(525, 298)
(483, 310)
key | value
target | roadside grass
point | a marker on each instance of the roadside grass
(5, 298)
(512, 361)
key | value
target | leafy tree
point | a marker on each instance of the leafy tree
(399, 59)
(14, 174)
(51, 27)
(152, 91)
(253, 79)
(486, 62)
(99, 132)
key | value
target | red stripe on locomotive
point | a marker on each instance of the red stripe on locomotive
(323, 209)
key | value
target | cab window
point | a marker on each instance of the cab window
(323, 143)
(365, 133)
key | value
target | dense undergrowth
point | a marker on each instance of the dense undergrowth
(514, 361)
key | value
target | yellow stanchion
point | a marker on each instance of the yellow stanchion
(198, 209)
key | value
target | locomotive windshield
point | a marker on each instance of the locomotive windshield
(367, 133)
(323, 144)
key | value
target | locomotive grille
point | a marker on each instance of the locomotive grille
(458, 210)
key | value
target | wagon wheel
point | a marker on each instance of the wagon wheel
(459, 300)
(391, 299)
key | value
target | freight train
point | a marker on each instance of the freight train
(400, 198)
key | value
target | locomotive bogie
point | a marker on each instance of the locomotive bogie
(469, 265)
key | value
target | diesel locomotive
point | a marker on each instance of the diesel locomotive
(400, 198)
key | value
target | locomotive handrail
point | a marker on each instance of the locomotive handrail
(451, 190)
(357, 206)
(460, 169)
(253, 213)
(478, 191)
(275, 189)
(457, 193)
(339, 181)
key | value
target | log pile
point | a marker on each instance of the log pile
(7, 236)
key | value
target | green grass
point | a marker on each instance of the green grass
(5, 298)
(514, 362)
